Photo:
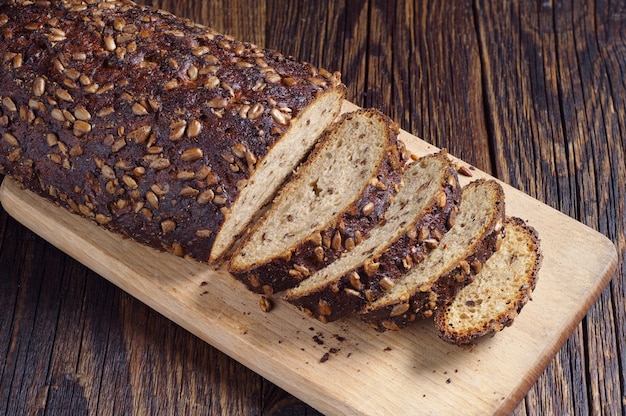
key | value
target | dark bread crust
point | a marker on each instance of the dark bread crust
(514, 304)
(139, 120)
(348, 228)
(348, 294)
(423, 300)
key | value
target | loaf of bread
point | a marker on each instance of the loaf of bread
(187, 140)
(150, 125)
(498, 293)
(327, 208)
(460, 254)
(415, 221)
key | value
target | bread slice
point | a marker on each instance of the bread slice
(498, 293)
(149, 125)
(327, 208)
(414, 222)
(295, 143)
(460, 254)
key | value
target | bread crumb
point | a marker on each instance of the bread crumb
(265, 304)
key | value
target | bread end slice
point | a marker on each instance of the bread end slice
(498, 293)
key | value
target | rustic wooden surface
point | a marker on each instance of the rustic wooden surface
(531, 92)
(420, 371)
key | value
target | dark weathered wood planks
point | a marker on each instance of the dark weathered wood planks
(532, 92)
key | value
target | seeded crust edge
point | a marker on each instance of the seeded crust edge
(345, 231)
(343, 295)
(517, 303)
(428, 296)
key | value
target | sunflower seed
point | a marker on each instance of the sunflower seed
(63, 95)
(194, 128)
(81, 128)
(39, 86)
(139, 110)
(168, 226)
(109, 43)
(192, 154)
(9, 104)
(177, 130)
(140, 135)
(81, 113)
(10, 139)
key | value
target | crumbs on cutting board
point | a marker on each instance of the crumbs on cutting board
(332, 345)
(319, 338)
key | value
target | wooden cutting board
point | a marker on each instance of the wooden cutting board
(346, 367)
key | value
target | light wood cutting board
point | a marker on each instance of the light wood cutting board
(405, 372)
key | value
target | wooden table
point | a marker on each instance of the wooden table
(530, 92)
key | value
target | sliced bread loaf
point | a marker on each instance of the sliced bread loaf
(414, 222)
(150, 125)
(498, 293)
(327, 208)
(460, 254)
